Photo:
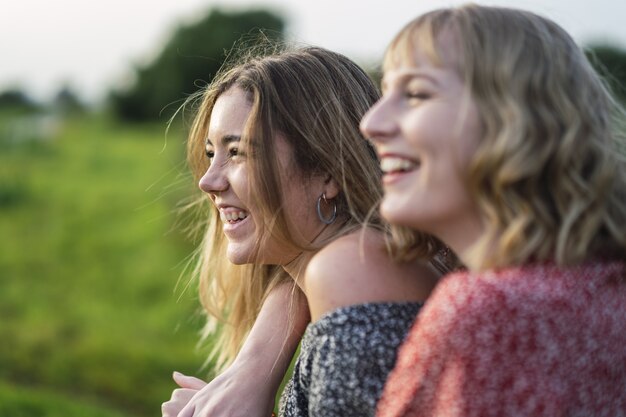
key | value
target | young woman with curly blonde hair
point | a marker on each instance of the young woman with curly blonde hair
(497, 137)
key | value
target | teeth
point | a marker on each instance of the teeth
(393, 164)
(232, 216)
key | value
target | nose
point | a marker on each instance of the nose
(214, 180)
(378, 124)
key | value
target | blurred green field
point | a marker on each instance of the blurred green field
(91, 320)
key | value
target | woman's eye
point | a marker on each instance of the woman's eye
(417, 95)
(236, 152)
(233, 153)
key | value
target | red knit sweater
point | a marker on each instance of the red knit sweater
(539, 340)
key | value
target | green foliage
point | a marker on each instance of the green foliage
(90, 258)
(192, 57)
(67, 101)
(27, 402)
(16, 98)
(610, 62)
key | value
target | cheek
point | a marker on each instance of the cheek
(429, 133)
(240, 182)
(472, 133)
(300, 204)
(418, 128)
(454, 147)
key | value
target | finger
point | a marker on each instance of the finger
(188, 411)
(167, 410)
(183, 395)
(191, 382)
(171, 409)
(180, 398)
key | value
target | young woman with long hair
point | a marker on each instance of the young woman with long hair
(291, 184)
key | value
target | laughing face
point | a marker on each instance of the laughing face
(227, 183)
(425, 129)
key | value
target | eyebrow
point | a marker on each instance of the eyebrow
(408, 75)
(226, 139)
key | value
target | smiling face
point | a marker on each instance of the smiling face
(227, 182)
(425, 129)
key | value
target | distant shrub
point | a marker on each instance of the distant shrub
(610, 62)
(12, 194)
(16, 98)
(191, 57)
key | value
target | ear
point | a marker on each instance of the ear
(331, 188)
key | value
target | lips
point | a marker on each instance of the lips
(232, 215)
(236, 221)
(397, 164)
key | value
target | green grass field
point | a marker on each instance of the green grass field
(91, 320)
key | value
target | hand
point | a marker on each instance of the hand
(247, 388)
(189, 386)
(238, 392)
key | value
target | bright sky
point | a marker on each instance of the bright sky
(92, 44)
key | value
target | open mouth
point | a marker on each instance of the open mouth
(233, 217)
(396, 165)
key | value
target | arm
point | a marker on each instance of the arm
(248, 386)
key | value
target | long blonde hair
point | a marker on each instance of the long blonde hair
(315, 99)
(549, 176)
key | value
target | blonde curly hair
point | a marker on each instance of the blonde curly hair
(549, 175)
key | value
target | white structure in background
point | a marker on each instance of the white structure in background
(36, 127)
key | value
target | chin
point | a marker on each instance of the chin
(391, 214)
(405, 218)
(237, 261)
(239, 257)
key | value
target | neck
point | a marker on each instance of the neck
(461, 236)
(296, 268)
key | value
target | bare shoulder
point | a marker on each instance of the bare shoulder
(356, 269)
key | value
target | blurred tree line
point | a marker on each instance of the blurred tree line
(66, 100)
(610, 62)
(190, 59)
(16, 98)
(196, 51)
